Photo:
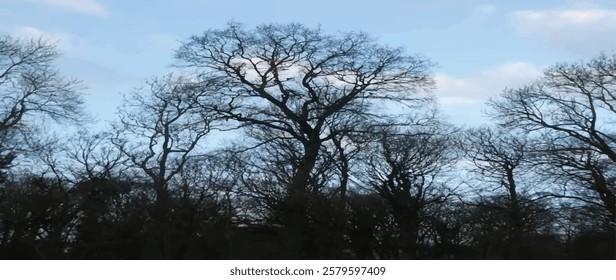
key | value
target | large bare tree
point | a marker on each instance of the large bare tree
(297, 81)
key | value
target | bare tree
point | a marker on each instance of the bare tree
(573, 108)
(295, 80)
(31, 86)
(91, 156)
(571, 100)
(406, 168)
(578, 172)
(498, 157)
(159, 130)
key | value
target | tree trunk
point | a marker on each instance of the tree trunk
(607, 196)
(517, 226)
(296, 205)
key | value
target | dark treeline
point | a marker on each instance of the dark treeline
(283, 142)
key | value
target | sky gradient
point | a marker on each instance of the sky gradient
(480, 47)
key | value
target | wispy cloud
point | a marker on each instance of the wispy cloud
(478, 87)
(584, 31)
(463, 98)
(62, 39)
(28, 32)
(90, 7)
(566, 18)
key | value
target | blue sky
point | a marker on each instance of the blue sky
(480, 47)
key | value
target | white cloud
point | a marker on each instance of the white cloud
(463, 98)
(587, 16)
(585, 31)
(477, 88)
(90, 7)
(28, 32)
(594, 18)
(62, 39)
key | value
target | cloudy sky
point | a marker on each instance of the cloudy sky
(480, 47)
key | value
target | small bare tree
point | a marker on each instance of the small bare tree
(406, 168)
(160, 127)
(498, 157)
(159, 130)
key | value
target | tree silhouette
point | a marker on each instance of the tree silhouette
(404, 168)
(296, 81)
(284, 141)
(30, 86)
(158, 131)
(573, 107)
